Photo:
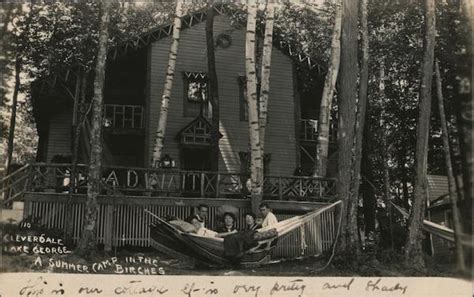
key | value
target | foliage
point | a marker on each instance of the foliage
(52, 38)
(396, 39)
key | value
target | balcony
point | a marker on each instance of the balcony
(124, 119)
(309, 131)
(127, 181)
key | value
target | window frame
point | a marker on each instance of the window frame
(193, 108)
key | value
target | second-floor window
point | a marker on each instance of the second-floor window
(196, 94)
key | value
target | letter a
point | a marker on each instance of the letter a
(38, 261)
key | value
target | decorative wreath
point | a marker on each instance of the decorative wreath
(223, 40)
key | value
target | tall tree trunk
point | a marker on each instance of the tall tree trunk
(361, 112)
(346, 123)
(11, 130)
(6, 10)
(214, 90)
(74, 152)
(87, 244)
(170, 72)
(402, 153)
(256, 168)
(466, 123)
(322, 145)
(368, 191)
(458, 230)
(265, 75)
(413, 248)
(385, 151)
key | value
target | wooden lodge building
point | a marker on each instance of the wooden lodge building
(135, 76)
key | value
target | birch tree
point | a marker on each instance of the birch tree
(458, 230)
(87, 243)
(265, 74)
(11, 130)
(413, 248)
(170, 72)
(328, 94)
(256, 168)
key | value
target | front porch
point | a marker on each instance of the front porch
(56, 203)
(129, 181)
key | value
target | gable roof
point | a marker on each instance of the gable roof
(197, 132)
(200, 16)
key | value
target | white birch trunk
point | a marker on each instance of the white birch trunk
(328, 94)
(170, 72)
(87, 244)
(256, 172)
(265, 76)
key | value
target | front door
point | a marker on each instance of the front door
(194, 161)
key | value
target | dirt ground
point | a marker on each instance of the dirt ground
(299, 267)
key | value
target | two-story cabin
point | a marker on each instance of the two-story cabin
(134, 86)
(135, 77)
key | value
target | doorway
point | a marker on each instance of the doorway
(196, 159)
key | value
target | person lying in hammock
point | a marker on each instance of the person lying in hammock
(200, 229)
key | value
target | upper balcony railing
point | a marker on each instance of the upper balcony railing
(119, 116)
(127, 181)
(309, 131)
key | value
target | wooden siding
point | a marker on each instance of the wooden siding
(442, 249)
(59, 138)
(280, 133)
(123, 222)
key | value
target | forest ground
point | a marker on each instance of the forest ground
(367, 266)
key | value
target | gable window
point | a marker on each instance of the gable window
(196, 94)
(244, 109)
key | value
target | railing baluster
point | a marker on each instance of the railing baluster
(123, 116)
(301, 187)
(280, 189)
(202, 184)
(218, 188)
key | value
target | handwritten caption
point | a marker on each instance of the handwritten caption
(42, 286)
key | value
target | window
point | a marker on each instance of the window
(244, 111)
(196, 94)
(196, 86)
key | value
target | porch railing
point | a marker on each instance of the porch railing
(123, 116)
(56, 178)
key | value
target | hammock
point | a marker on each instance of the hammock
(170, 240)
(433, 228)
